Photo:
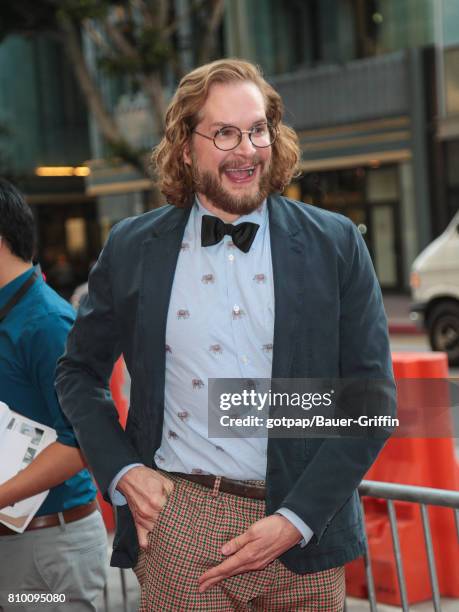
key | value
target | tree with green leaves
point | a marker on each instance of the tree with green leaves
(138, 41)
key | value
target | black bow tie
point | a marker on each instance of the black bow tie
(213, 229)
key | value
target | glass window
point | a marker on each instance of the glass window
(382, 185)
(450, 22)
(452, 80)
(383, 226)
(370, 198)
(452, 163)
(288, 34)
(389, 25)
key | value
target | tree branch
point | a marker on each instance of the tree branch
(208, 40)
(151, 83)
(90, 90)
(152, 86)
(120, 41)
(145, 10)
(173, 26)
(97, 37)
(162, 13)
(93, 97)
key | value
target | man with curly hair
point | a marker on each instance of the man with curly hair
(228, 280)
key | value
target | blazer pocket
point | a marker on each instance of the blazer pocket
(347, 518)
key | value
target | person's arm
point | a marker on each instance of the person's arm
(82, 383)
(83, 375)
(295, 520)
(52, 466)
(146, 491)
(42, 343)
(116, 497)
(339, 465)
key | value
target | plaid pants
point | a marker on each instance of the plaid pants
(186, 541)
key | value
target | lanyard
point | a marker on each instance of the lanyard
(16, 297)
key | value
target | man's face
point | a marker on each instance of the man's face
(235, 181)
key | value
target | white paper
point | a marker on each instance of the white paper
(12, 451)
(21, 440)
(5, 416)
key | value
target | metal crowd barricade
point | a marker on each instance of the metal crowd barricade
(423, 496)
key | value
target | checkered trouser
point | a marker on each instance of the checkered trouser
(186, 541)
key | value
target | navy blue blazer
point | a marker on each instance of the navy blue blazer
(329, 323)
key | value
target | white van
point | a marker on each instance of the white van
(435, 291)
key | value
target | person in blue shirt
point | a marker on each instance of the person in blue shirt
(63, 550)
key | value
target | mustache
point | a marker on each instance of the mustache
(238, 163)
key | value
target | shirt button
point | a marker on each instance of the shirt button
(231, 257)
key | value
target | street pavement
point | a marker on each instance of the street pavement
(358, 605)
(115, 599)
(397, 308)
(115, 602)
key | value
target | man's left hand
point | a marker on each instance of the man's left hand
(254, 549)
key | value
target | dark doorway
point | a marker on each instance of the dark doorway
(68, 241)
(370, 198)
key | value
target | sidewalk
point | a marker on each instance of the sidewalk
(359, 605)
(398, 313)
(115, 598)
(115, 592)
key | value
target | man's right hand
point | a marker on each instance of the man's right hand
(146, 492)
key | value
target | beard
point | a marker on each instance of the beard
(210, 185)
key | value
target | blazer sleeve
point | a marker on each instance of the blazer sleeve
(83, 375)
(339, 465)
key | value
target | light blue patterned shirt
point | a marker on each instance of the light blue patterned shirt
(220, 324)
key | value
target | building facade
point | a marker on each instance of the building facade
(120, 189)
(371, 87)
(44, 141)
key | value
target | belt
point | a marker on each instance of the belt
(52, 520)
(226, 485)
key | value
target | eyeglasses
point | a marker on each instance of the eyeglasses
(229, 137)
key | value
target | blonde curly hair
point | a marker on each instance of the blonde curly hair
(175, 177)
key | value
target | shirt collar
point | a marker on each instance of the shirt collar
(10, 289)
(259, 216)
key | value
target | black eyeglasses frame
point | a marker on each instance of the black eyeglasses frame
(241, 133)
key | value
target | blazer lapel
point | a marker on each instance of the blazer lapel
(287, 252)
(159, 259)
